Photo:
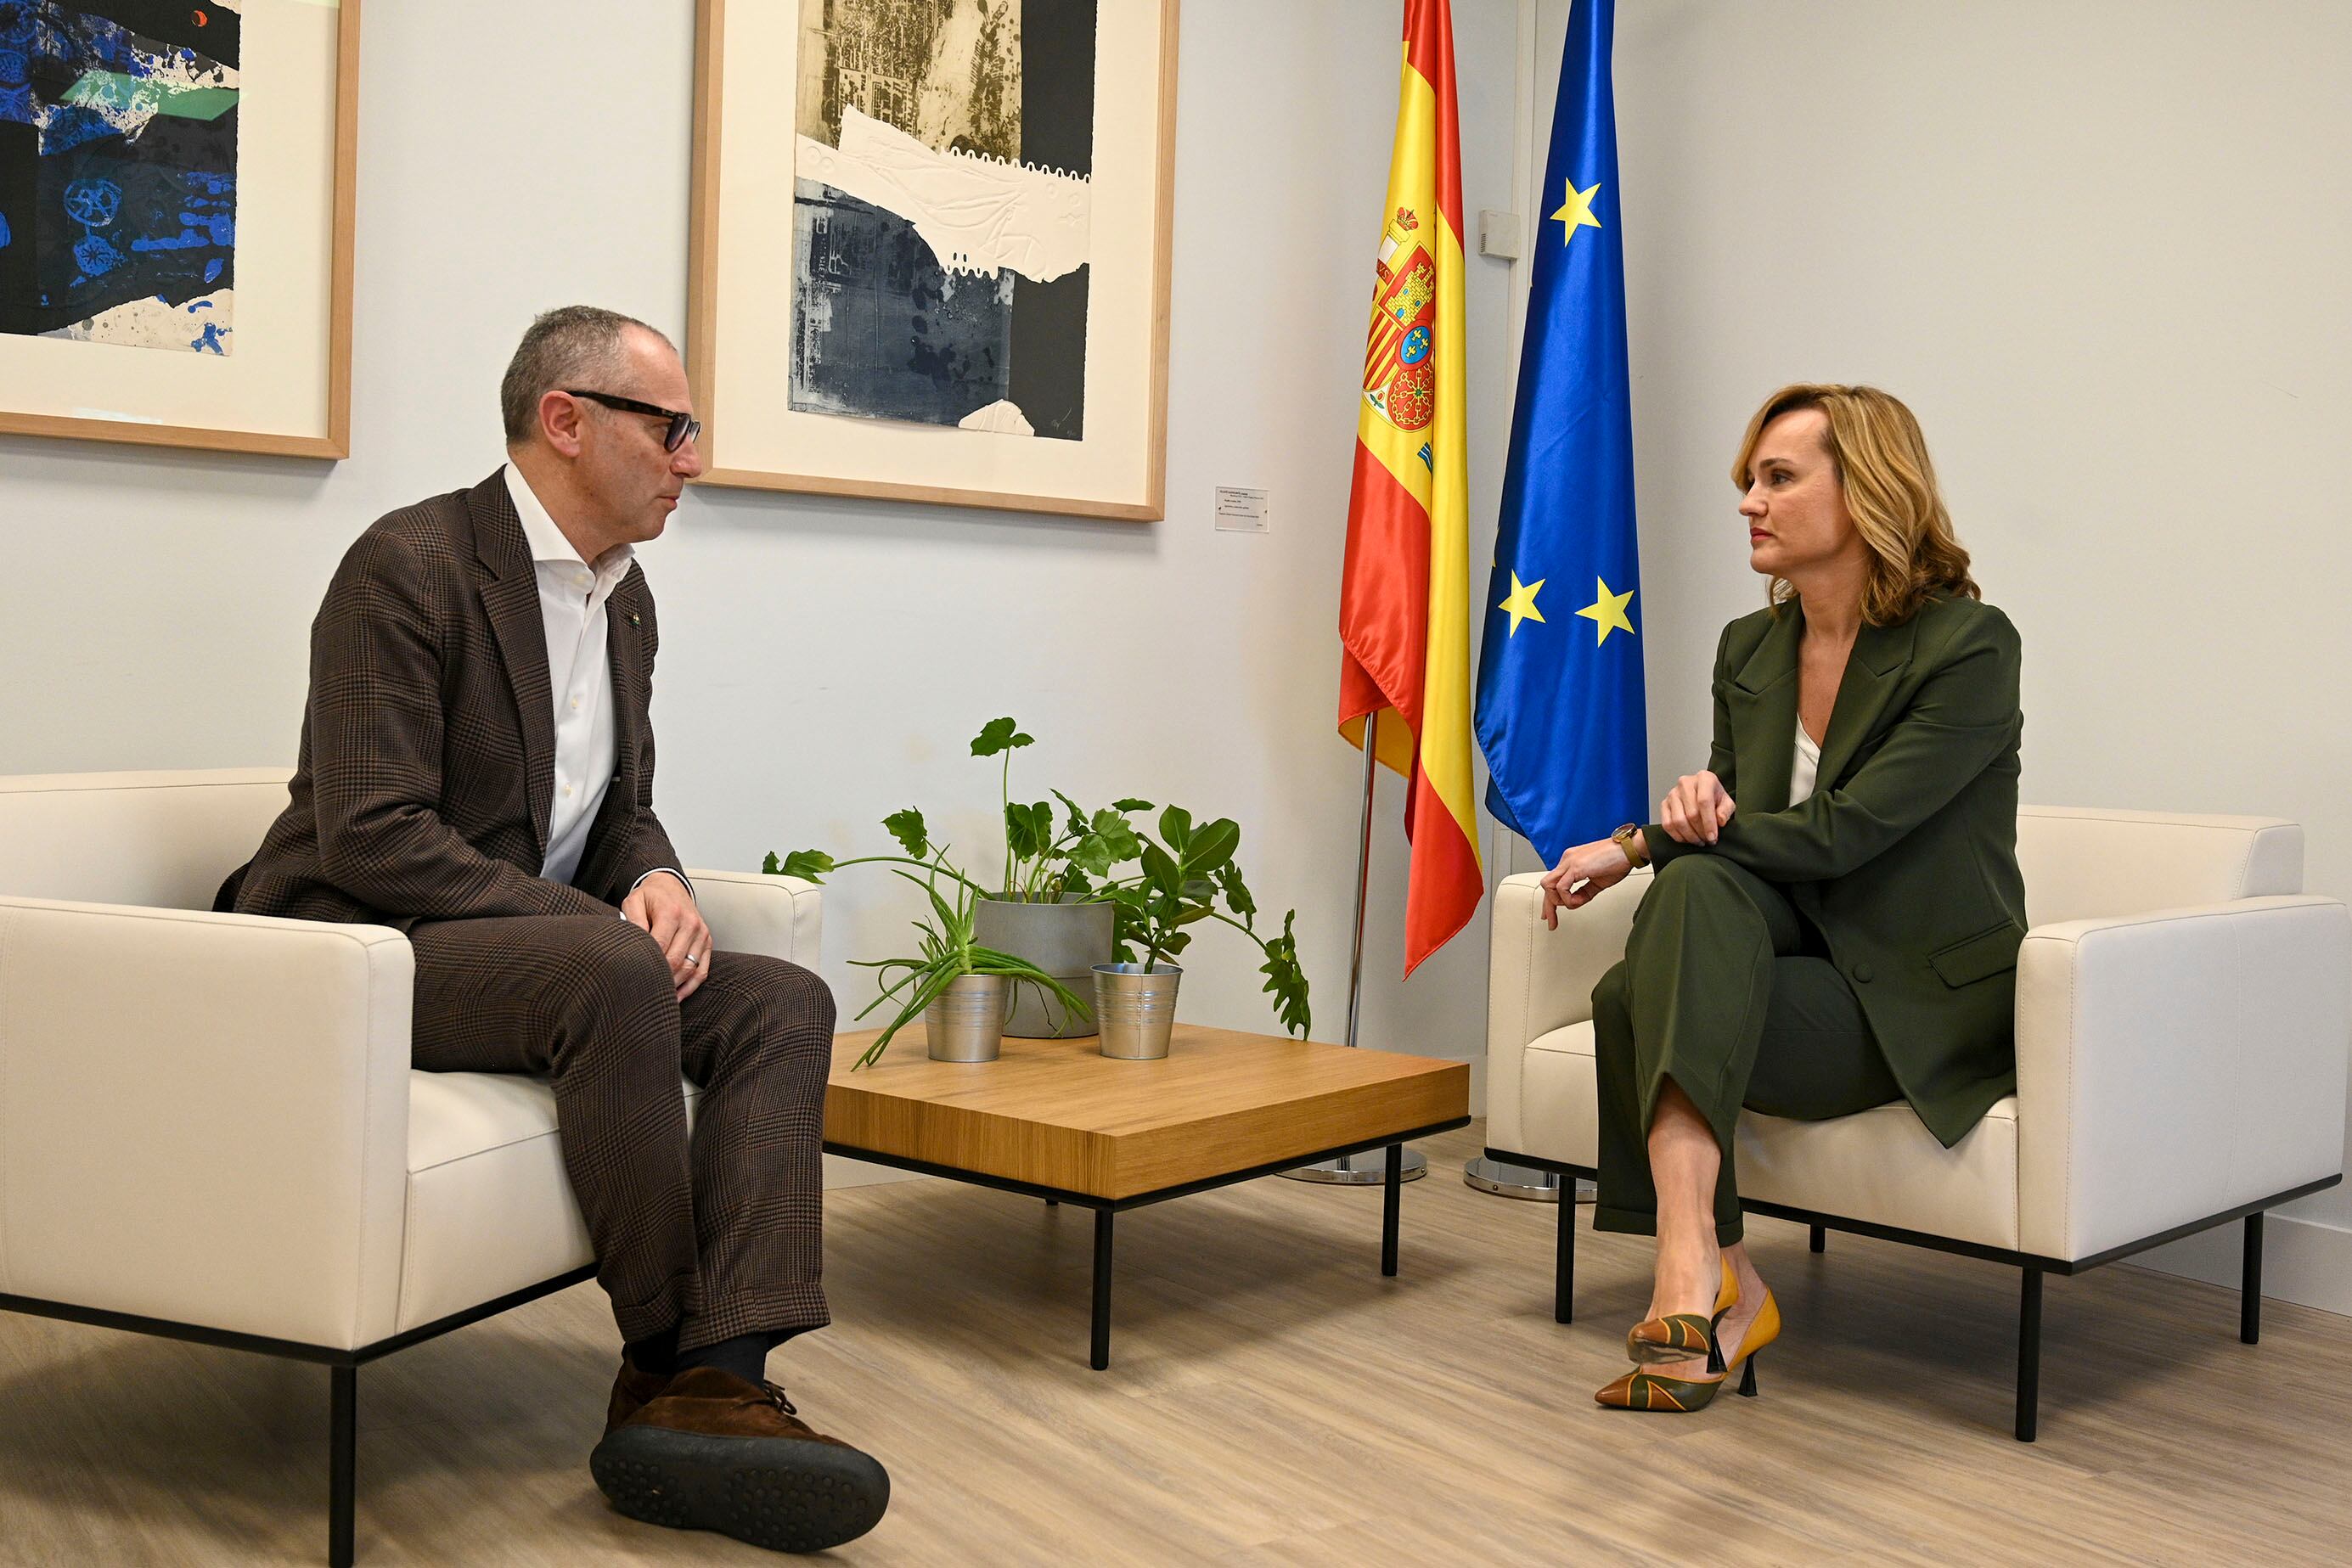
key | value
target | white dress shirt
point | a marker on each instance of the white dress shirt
(572, 595)
(1805, 772)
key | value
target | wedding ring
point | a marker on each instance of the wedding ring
(692, 959)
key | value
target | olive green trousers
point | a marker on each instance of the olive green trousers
(1727, 990)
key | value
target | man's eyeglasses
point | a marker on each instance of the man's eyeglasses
(683, 427)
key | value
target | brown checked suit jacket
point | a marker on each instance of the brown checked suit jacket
(428, 744)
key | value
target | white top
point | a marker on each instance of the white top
(1807, 769)
(572, 596)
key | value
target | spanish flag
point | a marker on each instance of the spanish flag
(1405, 595)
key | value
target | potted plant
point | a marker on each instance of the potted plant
(1183, 875)
(1081, 889)
(960, 987)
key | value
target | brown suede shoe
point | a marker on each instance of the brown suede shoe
(631, 1390)
(713, 1452)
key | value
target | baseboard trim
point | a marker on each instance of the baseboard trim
(840, 1172)
(2306, 1261)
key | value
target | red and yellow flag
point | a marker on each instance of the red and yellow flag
(1405, 595)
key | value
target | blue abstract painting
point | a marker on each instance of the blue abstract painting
(117, 171)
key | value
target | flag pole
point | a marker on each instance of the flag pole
(1368, 1167)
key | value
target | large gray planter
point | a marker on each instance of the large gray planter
(1065, 939)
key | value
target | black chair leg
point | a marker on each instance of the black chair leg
(2028, 1356)
(342, 1422)
(2249, 1283)
(1820, 1238)
(1563, 1285)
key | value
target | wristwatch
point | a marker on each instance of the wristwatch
(1629, 839)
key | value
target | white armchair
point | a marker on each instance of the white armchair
(209, 1129)
(2184, 1025)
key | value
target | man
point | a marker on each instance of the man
(477, 769)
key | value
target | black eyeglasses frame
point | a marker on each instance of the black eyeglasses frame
(683, 427)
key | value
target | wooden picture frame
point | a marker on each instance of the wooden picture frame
(1104, 456)
(283, 387)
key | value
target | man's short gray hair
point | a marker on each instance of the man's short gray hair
(576, 346)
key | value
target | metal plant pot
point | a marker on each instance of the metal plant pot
(966, 1022)
(1135, 1008)
(1065, 939)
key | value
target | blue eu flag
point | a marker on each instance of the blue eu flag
(1560, 715)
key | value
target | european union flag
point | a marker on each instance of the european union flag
(1561, 714)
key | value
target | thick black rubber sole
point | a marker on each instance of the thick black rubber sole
(776, 1492)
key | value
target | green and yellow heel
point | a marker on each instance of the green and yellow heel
(1680, 1336)
(1644, 1390)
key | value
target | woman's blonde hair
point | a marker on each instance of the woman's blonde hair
(1881, 460)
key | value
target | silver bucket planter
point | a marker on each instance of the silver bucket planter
(1065, 939)
(965, 1022)
(1135, 1008)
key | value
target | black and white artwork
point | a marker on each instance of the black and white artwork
(942, 213)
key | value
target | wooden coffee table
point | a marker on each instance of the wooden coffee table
(1055, 1119)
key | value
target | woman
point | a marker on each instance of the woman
(1837, 910)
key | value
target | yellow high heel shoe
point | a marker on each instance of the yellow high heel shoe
(1761, 1333)
(1679, 1336)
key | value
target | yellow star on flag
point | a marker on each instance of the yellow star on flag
(1608, 612)
(1521, 604)
(1576, 211)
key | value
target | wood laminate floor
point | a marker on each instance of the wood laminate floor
(1271, 1400)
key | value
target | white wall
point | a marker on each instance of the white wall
(824, 662)
(2102, 249)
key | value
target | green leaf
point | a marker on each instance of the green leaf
(1286, 980)
(907, 827)
(1118, 838)
(1131, 804)
(1237, 892)
(1077, 821)
(811, 866)
(772, 866)
(1028, 829)
(1176, 827)
(1212, 845)
(1092, 854)
(1000, 735)
(1161, 870)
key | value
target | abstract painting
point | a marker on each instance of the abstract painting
(175, 270)
(941, 211)
(117, 171)
(970, 196)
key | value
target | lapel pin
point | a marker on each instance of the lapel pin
(633, 618)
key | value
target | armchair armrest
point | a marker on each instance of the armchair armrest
(1539, 980)
(751, 912)
(2174, 1064)
(203, 1118)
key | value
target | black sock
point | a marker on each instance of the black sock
(745, 1356)
(656, 1354)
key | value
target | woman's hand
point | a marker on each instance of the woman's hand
(1696, 809)
(1583, 874)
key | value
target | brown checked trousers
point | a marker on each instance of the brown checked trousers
(421, 802)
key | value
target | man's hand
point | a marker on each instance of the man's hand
(1583, 874)
(661, 906)
(1696, 809)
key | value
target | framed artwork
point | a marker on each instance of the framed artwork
(175, 222)
(930, 245)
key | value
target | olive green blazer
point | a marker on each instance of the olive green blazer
(1906, 854)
